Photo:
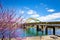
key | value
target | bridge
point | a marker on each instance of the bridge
(44, 26)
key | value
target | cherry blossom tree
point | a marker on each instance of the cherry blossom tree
(8, 22)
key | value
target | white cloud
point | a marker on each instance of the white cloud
(50, 17)
(54, 20)
(50, 10)
(35, 15)
(31, 12)
(21, 11)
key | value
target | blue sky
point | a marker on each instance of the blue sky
(44, 10)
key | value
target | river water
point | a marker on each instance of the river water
(30, 32)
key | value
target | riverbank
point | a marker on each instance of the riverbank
(47, 37)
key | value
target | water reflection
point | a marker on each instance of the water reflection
(24, 33)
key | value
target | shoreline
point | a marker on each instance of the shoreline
(47, 37)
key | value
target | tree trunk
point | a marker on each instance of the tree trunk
(2, 38)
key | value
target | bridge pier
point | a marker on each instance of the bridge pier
(53, 30)
(43, 28)
(39, 28)
(46, 30)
